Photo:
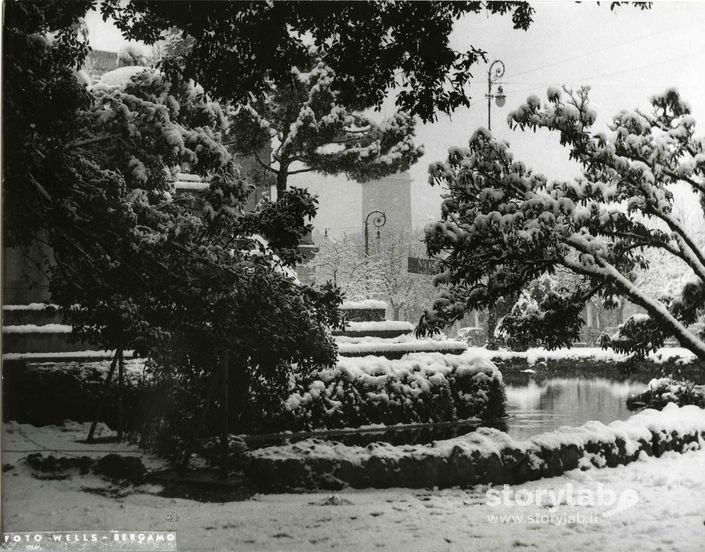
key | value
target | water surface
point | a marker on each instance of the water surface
(537, 407)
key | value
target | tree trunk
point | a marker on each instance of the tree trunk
(282, 177)
(658, 311)
(491, 326)
(106, 388)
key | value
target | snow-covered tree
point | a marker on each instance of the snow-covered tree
(342, 262)
(403, 291)
(504, 226)
(538, 316)
(310, 130)
(134, 54)
(373, 46)
(181, 279)
(382, 274)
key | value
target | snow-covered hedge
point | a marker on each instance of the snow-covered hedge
(419, 388)
(673, 362)
(484, 456)
(663, 391)
(43, 393)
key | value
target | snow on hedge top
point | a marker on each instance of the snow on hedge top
(366, 304)
(424, 364)
(488, 441)
(535, 355)
(381, 379)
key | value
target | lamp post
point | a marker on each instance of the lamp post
(379, 221)
(496, 72)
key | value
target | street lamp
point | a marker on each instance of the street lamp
(496, 72)
(379, 221)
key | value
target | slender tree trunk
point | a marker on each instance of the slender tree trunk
(201, 421)
(282, 177)
(654, 308)
(659, 312)
(491, 326)
(121, 397)
(106, 388)
(225, 430)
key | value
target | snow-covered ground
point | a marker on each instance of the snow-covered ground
(668, 514)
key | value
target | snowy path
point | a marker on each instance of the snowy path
(669, 515)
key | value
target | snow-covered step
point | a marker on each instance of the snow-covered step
(396, 347)
(32, 313)
(383, 328)
(369, 310)
(66, 356)
(393, 349)
(34, 338)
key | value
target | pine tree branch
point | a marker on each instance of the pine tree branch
(299, 171)
(42, 191)
(264, 165)
(88, 141)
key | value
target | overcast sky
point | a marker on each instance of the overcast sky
(625, 56)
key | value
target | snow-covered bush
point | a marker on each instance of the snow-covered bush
(539, 317)
(419, 388)
(639, 334)
(663, 391)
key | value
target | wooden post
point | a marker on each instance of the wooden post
(225, 448)
(121, 397)
(101, 403)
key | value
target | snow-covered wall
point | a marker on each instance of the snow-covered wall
(484, 456)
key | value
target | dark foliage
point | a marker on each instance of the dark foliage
(240, 47)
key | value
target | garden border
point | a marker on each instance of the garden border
(481, 457)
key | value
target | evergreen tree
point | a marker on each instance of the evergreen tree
(241, 48)
(181, 279)
(503, 225)
(311, 131)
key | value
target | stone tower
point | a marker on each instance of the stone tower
(391, 194)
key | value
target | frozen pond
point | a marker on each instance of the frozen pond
(537, 407)
(532, 407)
